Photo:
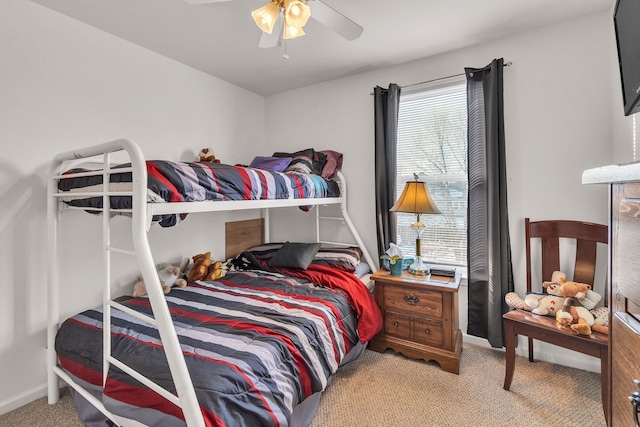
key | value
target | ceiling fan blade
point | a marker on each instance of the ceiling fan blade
(275, 38)
(196, 2)
(328, 16)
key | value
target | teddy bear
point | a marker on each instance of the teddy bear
(577, 318)
(567, 288)
(206, 155)
(572, 304)
(204, 268)
(169, 276)
(581, 291)
(535, 302)
(557, 290)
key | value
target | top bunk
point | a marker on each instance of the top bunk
(166, 191)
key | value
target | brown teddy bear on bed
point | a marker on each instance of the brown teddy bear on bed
(206, 155)
(204, 268)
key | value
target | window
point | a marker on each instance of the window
(432, 142)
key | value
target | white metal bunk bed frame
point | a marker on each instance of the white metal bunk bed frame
(141, 219)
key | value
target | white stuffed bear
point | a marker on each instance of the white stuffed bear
(543, 304)
(169, 276)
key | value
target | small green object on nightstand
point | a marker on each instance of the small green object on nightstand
(395, 264)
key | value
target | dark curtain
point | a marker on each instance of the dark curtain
(490, 273)
(387, 102)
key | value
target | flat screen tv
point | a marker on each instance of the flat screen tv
(626, 18)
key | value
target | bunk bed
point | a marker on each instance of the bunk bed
(207, 354)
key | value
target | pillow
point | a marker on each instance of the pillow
(362, 269)
(275, 164)
(342, 257)
(305, 161)
(295, 255)
(333, 164)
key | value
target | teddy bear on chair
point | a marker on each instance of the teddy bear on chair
(569, 302)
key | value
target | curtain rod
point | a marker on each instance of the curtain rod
(506, 64)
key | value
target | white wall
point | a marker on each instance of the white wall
(65, 85)
(558, 109)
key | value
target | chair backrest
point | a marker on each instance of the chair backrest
(587, 235)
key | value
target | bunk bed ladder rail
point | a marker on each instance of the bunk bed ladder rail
(346, 219)
(186, 398)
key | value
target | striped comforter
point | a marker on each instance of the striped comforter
(198, 181)
(256, 343)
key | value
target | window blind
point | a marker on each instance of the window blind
(432, 141)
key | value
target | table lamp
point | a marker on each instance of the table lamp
(415, 198)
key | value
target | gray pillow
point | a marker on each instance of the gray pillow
(295, 255)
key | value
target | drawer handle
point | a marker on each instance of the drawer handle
(411, 299)
(395, 324)
(427, 331)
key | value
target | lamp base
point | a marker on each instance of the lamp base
(418, 268)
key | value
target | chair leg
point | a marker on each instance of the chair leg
(530, 349)
(510, 353)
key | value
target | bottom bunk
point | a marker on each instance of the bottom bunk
(260, 343)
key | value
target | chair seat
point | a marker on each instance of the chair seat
(545, 328)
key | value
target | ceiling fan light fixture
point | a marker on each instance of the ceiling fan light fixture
(291, 31)
(265, 17)
(296, 13)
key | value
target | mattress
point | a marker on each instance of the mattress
(258, 344)
(195, 181)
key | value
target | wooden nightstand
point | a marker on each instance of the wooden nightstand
(420, 317)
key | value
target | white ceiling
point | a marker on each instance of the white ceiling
(221, 39)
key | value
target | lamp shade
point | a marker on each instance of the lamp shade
(291, 31)
(266, 16)
(415, 198)
(296, 13)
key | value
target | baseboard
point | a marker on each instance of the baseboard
(545, 353)
(22, 399)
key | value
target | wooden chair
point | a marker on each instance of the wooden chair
(545, 328)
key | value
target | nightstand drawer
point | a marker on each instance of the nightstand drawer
(427, 331)
(397, 325)
(411, 301)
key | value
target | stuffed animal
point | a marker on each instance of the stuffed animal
(577, 318)
(204, 268)
(206, 155)
(581, 291)
(601, 319)
(169, 276)
(566, 288)
(535, 302)
(572, 304)
(557, 290)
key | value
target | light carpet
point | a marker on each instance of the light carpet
(388, 389)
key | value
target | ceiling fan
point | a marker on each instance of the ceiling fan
(284, 19)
